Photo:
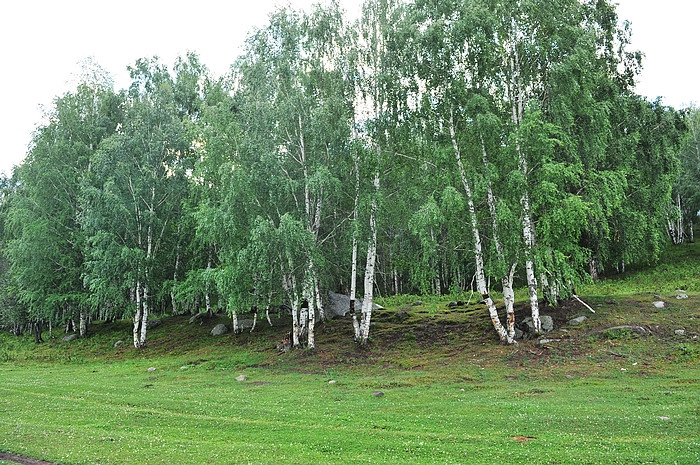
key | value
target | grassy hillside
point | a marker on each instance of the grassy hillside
(451, 394)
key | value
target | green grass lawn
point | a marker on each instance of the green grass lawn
(452, 395)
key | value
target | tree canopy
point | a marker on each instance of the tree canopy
(454, 146)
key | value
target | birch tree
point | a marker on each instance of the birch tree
(135, 179)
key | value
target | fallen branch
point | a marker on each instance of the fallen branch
(583, 303)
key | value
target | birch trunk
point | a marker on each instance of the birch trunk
(144, 317)
(234, 321)
(296, 330)
(255, 320)
(509, 301)
(137, 317)
(83, 323)
(478, 253)
(177, 267)
(353, 272)
(517, 104)
(311, 344)
(368, 301)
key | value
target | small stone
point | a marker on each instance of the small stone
(664, 418)
(680, 332)
(417, 303)
(377, 393)
(547, 341)
(658, 297)
(151, 369)
(659, 304)
(241, 378)
(681, 296)
(70, 337)
(118, 343)
(577, 321)
(332, 381)
(184, 367)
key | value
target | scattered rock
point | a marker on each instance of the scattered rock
(545, 320)
(400, 316)
(680, 332)
(577, 321)
(519, 333)
(338, 305)
(151, 369)
(659, 304)
(70, 337)
(377, 393)
(219, 329)
(680, 294)
(664, 418)
(150, 324)
(198, 317)
(245, 323)
(456, 303)
(547, 323)
(658, 297)
(547, 341)
(118, 343)
(417, 303)
(184, 367)
(241, 378)
(332, 381)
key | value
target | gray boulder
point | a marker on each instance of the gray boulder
(245, 323)
(241, 378)
(680, 294)
(197, 317)
(547, 324)
(679, 332)
(150, 324)
(338, 305)
(118, 343)
(659, 303)
(70, 337)
(576, 321)
(219, 329)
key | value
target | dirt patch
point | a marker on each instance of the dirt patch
(23, 460)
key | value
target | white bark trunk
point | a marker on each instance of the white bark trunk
(296, 329)
(369, 269)
(478, 253)
(353, 272)
(144, 316)
(137, 316)
(83, 323)
(517, 106)
(173, 301)
(234, 321)
(255, 320)
(509, 301)
(267, 315)
(309, 296)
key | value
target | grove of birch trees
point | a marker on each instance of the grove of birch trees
(430, 147)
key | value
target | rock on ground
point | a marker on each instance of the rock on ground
(659, 304)
(70, 337)
(577, 321)
(338, 305)
(219, 329)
